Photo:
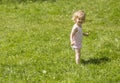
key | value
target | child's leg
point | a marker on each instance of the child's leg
(77, 55)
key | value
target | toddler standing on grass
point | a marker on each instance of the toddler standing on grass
(77, 34)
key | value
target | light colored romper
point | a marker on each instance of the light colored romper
(77, 37)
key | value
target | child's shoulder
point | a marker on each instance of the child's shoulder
(75, 26)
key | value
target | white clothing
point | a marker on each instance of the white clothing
(77, 38)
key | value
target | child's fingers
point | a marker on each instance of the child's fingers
(72, 43)
(85, 34)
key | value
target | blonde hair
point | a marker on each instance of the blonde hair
(78, 14)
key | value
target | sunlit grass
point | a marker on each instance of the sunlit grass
(35, 47)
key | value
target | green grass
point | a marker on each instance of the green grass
(35, 47)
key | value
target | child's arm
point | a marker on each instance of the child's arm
(72, 35)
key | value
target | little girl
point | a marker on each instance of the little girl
(77, 34)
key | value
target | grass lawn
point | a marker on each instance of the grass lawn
(35, 46)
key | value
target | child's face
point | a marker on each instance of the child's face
(80, 20)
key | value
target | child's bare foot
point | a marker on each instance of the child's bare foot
(77, 62)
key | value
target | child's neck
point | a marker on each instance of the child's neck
(80, 25)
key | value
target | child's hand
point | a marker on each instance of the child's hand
(85, 34)
(72, 43)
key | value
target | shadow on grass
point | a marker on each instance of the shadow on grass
(96, 61)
